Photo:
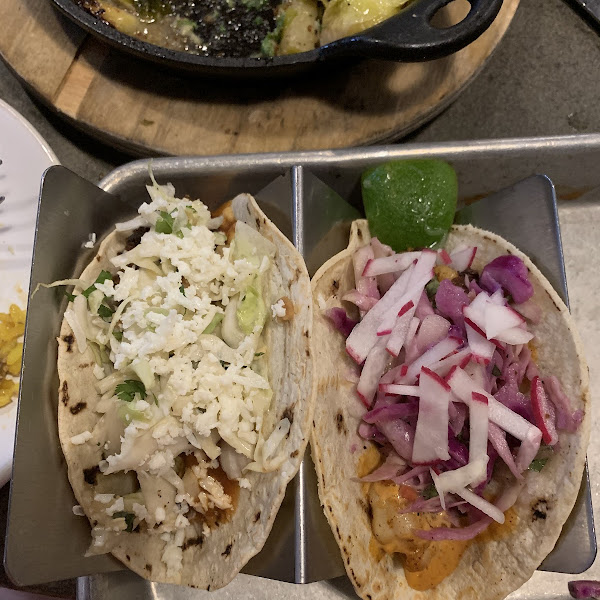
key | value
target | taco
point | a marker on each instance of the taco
(449, 448)
(185, 373)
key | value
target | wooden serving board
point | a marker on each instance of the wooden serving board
(143, 109)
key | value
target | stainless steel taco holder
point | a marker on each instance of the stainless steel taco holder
(311, 197)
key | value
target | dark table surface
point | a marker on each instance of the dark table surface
(543, 79)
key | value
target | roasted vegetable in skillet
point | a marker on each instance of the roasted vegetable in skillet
(242, 28)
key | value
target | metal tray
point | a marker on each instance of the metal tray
(303, 194)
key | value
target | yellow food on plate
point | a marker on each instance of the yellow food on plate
(12, 327)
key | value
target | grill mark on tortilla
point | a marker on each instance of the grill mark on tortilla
(197, 541)
(227, 550)
(89, 475)
(288, 413)
(539, 510)
(69, 339)
(340, 424)
(65, 393)
(77, 408)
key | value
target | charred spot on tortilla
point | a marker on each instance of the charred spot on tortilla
(98, 258)
(539, 510)
(77, 408)
(64, 391)
(335, 285)
(294, 454)
(127, 557)
(135, 238)
(340, 424)
(68, 340)
(227, 550)
(288, 413)
(148, 567)
(90, 474)
(197, 541)
(257, 516)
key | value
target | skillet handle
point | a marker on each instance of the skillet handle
(410, 37)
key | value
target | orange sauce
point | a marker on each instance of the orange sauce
(426, 563)
(497, 531)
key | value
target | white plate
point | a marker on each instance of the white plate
(25, 156)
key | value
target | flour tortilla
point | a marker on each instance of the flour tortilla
(489, 569)
(222, 554)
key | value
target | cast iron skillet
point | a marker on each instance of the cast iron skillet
(407, 37)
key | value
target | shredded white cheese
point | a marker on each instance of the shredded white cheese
(278, 309)
(175, 328)
(81, 438)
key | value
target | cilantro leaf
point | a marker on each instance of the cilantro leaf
(179, 234)
(165, 223)
(118, 335)
(129, 517)
(104, 275)
(496, 372)
(430, 492)
(537, 464)
(105, 312)
(70, 296)
(432, 287)
(127, 390)
(182, 289)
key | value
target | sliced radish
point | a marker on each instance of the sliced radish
(433, 329)
(452, 481)
(544, 412)
(431, 434)
(477, 374)
(462, 258)
(478, 427)
(499, 318)
(514, 336)
(443, 257)
(412, 331)
(364, 335)
(529, 448)
(384, 282)
(412, 294)
(497, 438)
(399, 390)
(476, 310)
(481, 347)
(400, 329)
(390, 264)
(483, 505)
(463, 387)
(364, 285)
(460, 358)
(433, 355)
(364, 303)
(372, 371)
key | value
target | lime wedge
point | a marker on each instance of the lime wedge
(410, 203)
